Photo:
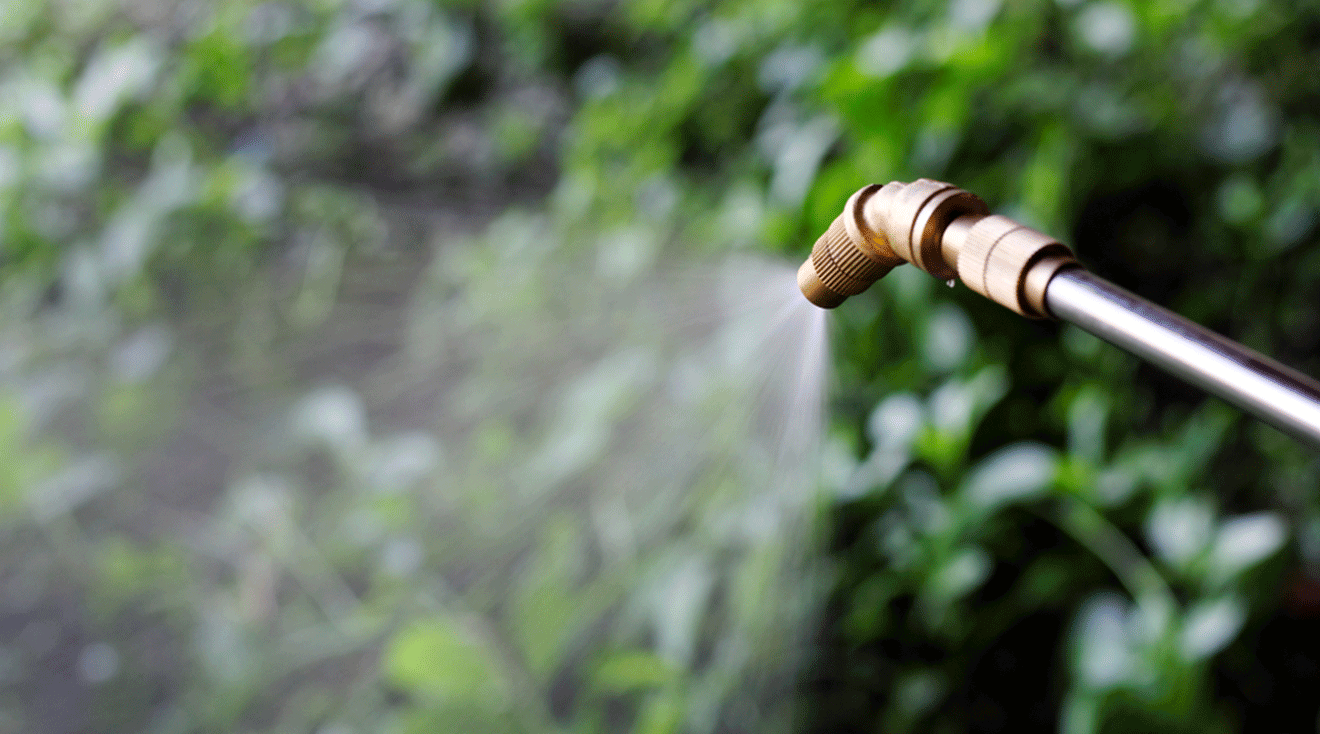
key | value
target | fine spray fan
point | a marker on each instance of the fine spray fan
(950, 233)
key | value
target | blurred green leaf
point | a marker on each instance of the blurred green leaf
(438, 659)
(625, 672)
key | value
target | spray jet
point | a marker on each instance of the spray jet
(950, 234)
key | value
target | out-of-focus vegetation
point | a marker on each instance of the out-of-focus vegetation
(334, 397)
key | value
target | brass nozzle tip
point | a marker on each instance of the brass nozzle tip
(814, 290)
(848, 258)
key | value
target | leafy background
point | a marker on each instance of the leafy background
(355, 376)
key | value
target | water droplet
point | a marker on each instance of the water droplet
(950, 282)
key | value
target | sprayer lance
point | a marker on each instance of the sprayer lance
(951, 233)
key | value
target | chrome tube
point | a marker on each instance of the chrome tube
(1277, 394)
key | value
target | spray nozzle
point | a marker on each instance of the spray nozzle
(941, 229)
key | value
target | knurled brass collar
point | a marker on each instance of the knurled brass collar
(996, 257)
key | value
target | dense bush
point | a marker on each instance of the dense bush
(348, 384)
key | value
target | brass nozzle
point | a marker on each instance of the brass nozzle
(849, 257)
(941, 229)
(880, 228)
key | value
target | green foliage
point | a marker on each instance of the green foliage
(434, 659)
(304, 427)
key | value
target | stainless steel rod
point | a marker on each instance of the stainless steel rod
(1277, 394)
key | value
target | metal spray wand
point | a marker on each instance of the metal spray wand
(950, 233)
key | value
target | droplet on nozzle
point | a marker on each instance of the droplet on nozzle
(950, 282)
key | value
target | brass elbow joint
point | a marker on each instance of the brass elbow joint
(941, 229)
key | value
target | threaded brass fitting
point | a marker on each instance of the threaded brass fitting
(915, 215)
(941, 229)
